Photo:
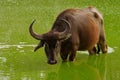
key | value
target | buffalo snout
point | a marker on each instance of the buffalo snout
(52, 61)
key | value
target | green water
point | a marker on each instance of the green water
(21, 63)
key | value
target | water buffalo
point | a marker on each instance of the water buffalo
(73, 29)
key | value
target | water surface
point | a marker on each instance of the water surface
(19, 62)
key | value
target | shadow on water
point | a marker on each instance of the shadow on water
(93, 69)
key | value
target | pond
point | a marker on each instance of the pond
(19, 62)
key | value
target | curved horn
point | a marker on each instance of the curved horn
(33, 34)
(66, 33)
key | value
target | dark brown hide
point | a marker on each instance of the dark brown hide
(73, 29)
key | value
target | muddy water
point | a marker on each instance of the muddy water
(19, 62)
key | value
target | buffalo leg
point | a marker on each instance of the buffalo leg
(102, 43)
(102, 39)
(103, 47)
(92, 51)
(64, 54)
(73, 53)
(98, 48)
(72, 56)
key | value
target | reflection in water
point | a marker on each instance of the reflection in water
(52, 76)
(30, 67)
(93, 69)
(99, 63)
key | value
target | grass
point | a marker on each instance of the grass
(15, 18)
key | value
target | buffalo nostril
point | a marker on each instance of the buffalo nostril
(52, 62)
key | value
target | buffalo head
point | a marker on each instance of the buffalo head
(52, 40)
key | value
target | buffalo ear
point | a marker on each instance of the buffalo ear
(40, 44)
